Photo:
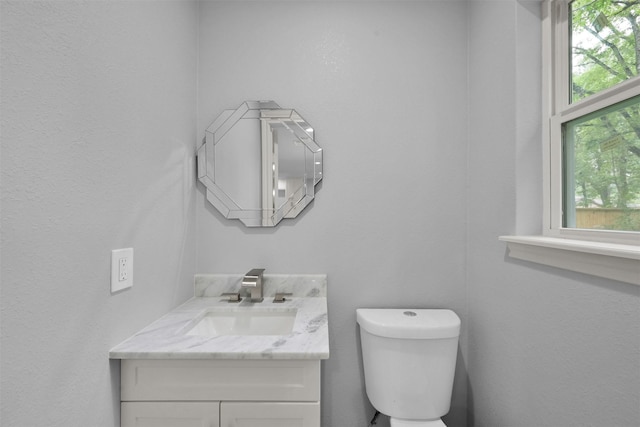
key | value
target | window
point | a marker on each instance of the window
(595, 119)
(601, 177)
(591, 83)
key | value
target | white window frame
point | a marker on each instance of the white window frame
(610, 254)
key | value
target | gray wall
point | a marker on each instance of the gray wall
(429, 115)
(384, 85)
(98, 135)
(546, 347)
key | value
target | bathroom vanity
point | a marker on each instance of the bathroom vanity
(213, 363)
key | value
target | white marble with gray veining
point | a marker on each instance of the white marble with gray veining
(166, 337)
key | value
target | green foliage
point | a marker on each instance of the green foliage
(605, 47)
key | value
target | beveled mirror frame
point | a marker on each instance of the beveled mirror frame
(259, 135)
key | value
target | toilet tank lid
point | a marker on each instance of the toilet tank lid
(409, 323)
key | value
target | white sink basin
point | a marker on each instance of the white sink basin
(250, 321)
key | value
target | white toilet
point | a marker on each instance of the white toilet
(409, 359)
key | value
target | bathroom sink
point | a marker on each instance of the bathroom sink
(251, 321)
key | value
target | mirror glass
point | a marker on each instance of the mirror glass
(260, 163)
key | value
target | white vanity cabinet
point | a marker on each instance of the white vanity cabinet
(171, 377)
(220, 393)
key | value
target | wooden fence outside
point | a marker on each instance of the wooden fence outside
(604, 218)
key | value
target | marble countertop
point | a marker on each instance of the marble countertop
(166, 338)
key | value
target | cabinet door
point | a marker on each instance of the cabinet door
(170, 414)
(270, 414)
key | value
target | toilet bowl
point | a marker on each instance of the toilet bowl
(409, 358)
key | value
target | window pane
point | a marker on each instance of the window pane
(604, 48)
(602, 169)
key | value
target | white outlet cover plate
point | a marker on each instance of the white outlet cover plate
(117, 284)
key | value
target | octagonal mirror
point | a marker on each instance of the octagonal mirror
(260, 163)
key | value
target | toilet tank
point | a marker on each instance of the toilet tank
(409, 359)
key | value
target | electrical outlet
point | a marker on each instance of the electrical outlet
(123, 274)
(121, 269)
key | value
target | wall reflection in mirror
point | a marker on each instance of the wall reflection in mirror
(260, 163)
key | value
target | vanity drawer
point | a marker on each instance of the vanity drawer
(239, 380)
(173, 414)
(270, 414)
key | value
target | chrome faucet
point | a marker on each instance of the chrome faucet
(253, 281)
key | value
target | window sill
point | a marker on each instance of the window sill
(609, 260)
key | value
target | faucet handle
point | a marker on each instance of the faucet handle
(280, 296)
(233, 296)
